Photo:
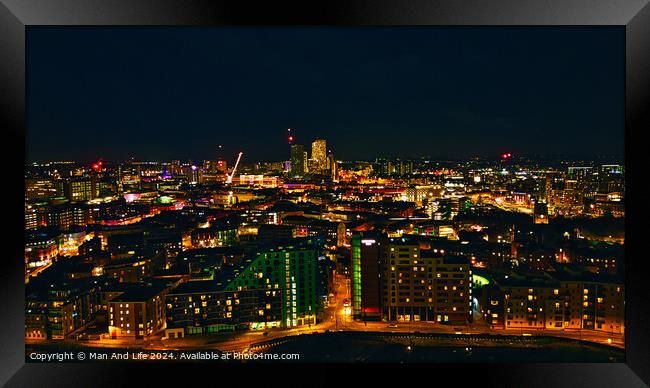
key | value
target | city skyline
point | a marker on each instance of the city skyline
(517, 253)
(326, 194)
(411, 92)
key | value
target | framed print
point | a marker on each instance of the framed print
(362, 189)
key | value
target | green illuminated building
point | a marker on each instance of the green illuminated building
(356, 274)
(291, 268)
(366, 275)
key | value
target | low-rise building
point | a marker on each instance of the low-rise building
(57, 310)
(203, 307)
(137, 313)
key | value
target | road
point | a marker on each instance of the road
(510, 207)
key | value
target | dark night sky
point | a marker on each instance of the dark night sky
(161, 93)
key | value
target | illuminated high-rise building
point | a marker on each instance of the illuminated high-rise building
(297, 160)
(60, 217)
(366, 275)
(319, 153)
(424, 285)
(81, 189)
(213, 166)
(175, 168)
(222, 166)
(332, 167)
(386, 167)
(313, 166)
(291, 270)
(120, 184)
(31, 218)
(39, 188)
(193, 175)
(406, 167)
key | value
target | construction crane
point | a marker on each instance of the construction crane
(229, 177)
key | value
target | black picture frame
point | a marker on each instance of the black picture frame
(17, 15)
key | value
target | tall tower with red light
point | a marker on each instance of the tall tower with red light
(221, 165)
(296, 156)
(289, 136)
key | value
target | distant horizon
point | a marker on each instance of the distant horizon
(548, 157)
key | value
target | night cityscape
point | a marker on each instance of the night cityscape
(449, 226)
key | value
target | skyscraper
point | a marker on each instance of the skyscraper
(405, 167)
(297, 160)
(193, 175)
(305, 162)
(319, 153)
(366, 280)
(81, 189)
(331, 166)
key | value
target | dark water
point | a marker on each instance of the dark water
(348, 347)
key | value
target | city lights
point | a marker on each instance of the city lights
(351, 231)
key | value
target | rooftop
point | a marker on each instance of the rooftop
(196, 287)
(140, 293)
